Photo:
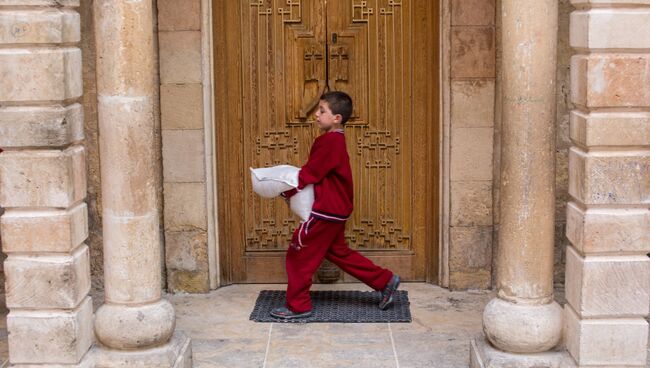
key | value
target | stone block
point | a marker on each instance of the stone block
(472, 52)
(27, 126)
(51, 336)
(174, 15)
(185, 206)
(181, 106)
(596, 230)
(47, 281)
(180, 57)
(186, 254)
(610, 128)
(183, 156)
(176, 353)
(40, 25)
(471, 153)
(470, 257)
(610, 80)
(70, 3)
(617, 342)
(44, 231)
(609, 177)
(607, 286)
(42, 74)
(471, 203)
(607, 2)
(472, 12)
(49, 178)
(609, 28)
(472, 103)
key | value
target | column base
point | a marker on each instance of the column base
(176, 353)
(484, 355)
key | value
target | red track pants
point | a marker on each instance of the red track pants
(314, 240)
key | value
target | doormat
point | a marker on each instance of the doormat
(347, 306)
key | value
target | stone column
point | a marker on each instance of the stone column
(135, 325)
(608, 216)
(43, 185)
(524, 318)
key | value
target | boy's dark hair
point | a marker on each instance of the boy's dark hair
(340, 103)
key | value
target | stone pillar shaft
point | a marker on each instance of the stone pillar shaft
(524, 318)
(43, 185)
(608, 215)
(134, 316)
(527, 202)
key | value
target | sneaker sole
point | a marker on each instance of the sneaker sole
(295, 316)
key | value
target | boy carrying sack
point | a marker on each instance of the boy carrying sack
(323, 234)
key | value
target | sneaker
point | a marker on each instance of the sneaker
(286, 314)
(388, 293)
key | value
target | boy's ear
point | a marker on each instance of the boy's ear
(338, 118)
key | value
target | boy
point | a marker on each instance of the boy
(322, 235)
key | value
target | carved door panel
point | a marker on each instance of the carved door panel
(273, 59)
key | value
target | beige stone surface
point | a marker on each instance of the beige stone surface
(609, 28)
(71, 3)
(620, 342)
(470, 257)
(44, 231)
(180, 57)
(53, 337)
(127, 115)
(184, 206)
(484, 355)
(186, 254)
(43, 74)
(174, 15)
(183, 156)
(471, 203)
(472, 103)
(603, 128)
(39, 25)
(32, 126)
(608, 229)
(138, 326)
(42, 178)
(609, 177)
(177, 353)
(610, 80)
(472, 51)
(443, 323)
(472, 12)
(471, 154)
(608, 286)
(47, 281)
(181, 106)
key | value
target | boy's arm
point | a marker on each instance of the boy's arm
(324, 157)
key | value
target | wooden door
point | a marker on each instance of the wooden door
(273, 59)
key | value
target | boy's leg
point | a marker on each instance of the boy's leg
(355, 264)
(308, 247)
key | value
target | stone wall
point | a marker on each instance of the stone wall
(608, 215)
(183, 149)
(473, 72)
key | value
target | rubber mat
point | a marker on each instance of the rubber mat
(350, 306)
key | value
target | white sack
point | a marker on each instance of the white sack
(302, 201)
(269, 182)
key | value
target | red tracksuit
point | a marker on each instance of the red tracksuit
(322, 236)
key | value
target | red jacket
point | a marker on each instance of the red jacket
(328, 168)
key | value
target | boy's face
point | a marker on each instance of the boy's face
(325, 119)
